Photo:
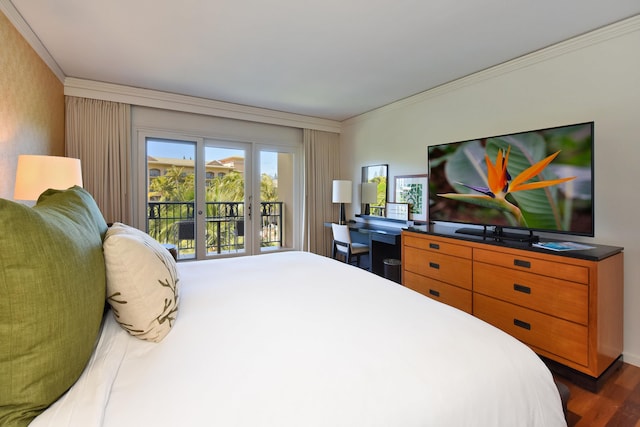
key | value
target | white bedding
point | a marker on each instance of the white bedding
(295, 339)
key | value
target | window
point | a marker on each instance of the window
(249, 207)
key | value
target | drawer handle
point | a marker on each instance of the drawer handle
(521, 288)
(434, 293)
(434, 246)
(434, 265)
(522, 263)
(521, 324)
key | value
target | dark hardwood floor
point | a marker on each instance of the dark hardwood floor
(617, 404)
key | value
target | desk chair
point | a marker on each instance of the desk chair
(342, 245)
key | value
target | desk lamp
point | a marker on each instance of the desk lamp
(35, 174)
(342, 195)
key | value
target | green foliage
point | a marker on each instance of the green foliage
(177, 186)
(268, 189)
(229, 188)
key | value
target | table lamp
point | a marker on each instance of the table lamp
(35, 174)
(342, 195)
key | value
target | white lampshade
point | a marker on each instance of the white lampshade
(36, 174)
(369, 192)
(341, 191)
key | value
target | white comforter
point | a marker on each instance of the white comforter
(295, 339)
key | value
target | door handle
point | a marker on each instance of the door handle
(249, 208)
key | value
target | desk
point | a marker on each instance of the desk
(384, 242)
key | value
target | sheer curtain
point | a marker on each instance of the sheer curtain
(99, 134)
(322, 166)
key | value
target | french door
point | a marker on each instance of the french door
(211, 198)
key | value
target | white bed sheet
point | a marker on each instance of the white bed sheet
(295, 339)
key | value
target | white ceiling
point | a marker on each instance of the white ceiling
(332, 59)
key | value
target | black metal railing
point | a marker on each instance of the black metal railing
(174, 223)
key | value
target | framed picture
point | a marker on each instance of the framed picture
(398, 211)
(412, 189)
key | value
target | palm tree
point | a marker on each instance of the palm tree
(268, 189)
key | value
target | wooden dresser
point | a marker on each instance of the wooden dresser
(567, 306)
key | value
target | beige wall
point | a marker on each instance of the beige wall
(31, 105)
(596, 77)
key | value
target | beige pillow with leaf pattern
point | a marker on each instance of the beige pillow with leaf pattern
(142, 282)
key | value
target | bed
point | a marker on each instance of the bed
(297, 339)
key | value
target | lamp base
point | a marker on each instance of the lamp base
(343, 218)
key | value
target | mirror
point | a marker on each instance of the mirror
(376, 174)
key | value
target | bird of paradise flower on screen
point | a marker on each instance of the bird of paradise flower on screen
(501, 184)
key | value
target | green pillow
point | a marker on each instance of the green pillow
(52, 293)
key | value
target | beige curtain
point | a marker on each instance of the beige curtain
(99, 134)
(322, 166)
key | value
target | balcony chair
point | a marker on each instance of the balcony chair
(184, 230)
(343, 246)
(238, 232)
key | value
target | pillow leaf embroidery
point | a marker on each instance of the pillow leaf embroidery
(142, 283)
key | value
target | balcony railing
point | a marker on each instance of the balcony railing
(174, 223)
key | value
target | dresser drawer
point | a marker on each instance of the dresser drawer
(560, 298)
(560, 270)
(439, 291)
(435, 245)
(559, 337)
(445, 268)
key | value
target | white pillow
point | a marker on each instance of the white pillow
(142, 282)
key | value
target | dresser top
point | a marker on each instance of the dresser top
(597, 253)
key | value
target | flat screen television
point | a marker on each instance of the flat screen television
(539, 180)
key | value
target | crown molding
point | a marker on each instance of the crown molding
(25, 30)
(157, 99)
(591, 38)
(191, 104)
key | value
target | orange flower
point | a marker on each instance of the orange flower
(499, 180)
(500, 185)
(498, 176)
